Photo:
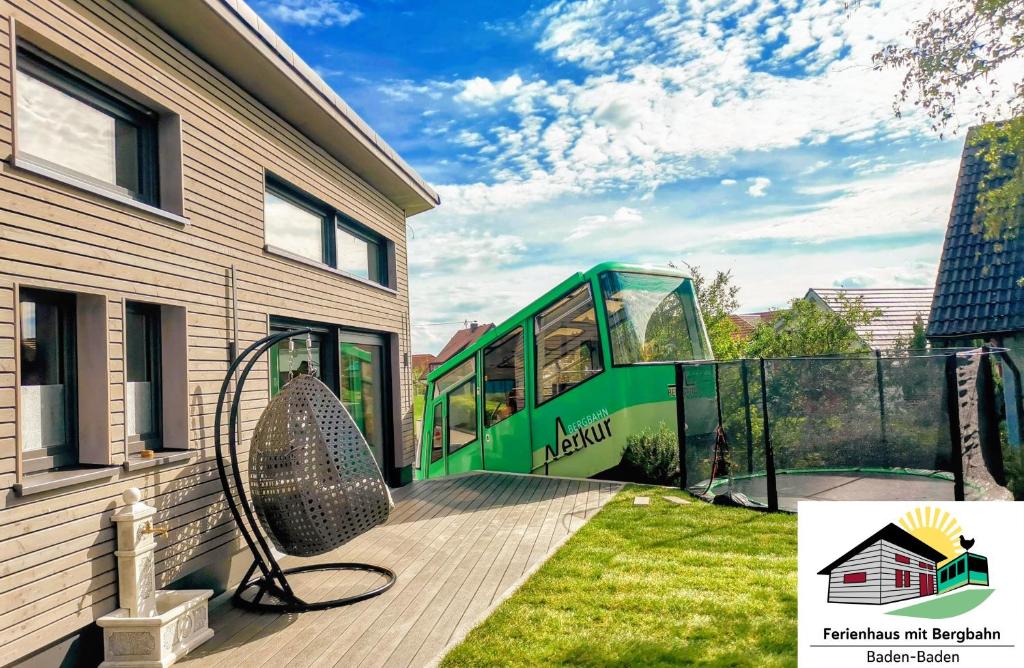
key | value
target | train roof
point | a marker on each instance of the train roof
(513, 321)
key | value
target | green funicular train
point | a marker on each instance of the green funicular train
(559, 387)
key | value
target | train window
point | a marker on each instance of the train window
(504, 378)
(977, 564)
(460, 373)
(462, 422)
(437, 435)
(568, 344)
(651, 318)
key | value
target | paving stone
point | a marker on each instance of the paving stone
(676, 500)
(642, 501)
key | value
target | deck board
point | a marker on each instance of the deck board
(458, 545)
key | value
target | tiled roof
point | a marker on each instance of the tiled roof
(900, 307)
(460, 340)
(976, 291)
(746, 322)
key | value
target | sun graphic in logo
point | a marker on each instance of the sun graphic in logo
(937, 528)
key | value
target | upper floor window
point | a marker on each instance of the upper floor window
(47, 413)
(303, 226)
(77, 127)
(568, 344)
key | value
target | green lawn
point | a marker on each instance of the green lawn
(658, 585)
(417, 407)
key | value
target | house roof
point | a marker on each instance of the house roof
(422, 360)
(900, 307)
(892, 534)
(230, 36)
(461, 339)
(976, 292)
(747, 322)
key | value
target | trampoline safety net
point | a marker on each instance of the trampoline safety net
(771, 432)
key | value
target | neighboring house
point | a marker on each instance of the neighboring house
(746, 323)
(888, 566)
(459, 341)
(178, 179)
(978, 294)
(423, 363)
(899, 309)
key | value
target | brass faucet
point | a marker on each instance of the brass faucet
(159, 531)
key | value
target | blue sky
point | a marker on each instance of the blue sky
(745, 135)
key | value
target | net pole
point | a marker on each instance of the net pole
(881, 403)
(744, 374)
(769, 456)
(991, 448)
(1015, 427)
(956, 446)
(681, 424)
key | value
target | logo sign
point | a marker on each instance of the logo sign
(910, 583)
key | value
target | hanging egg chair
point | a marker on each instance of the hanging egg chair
(314, 484)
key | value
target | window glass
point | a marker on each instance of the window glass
(437, 435)
(292, 227)
(142, 367)
(358, 255)
(67, 124)
(977, 565)
(568, 344)
(362, 391)
(462, 416)
(288, 363)
(46, 413)
(456, 375)
(651, 318)
(504, 378)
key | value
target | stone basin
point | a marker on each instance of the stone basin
(179, 625)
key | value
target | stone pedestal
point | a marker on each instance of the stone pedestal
(151, 629)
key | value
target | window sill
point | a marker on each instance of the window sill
(27, 165)
(280, 252)
(137, 463)
(37, 483)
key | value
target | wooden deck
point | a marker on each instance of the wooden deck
(459, 546)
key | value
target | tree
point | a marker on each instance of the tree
(806, 328)
(718, 300)
(915, 342)
(954, 53)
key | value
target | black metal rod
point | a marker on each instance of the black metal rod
(769, 455)
(955, 443)
(746, 409)
(1018, 397)
(681, 423)
(881, 404)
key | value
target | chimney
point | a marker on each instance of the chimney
(473, 325)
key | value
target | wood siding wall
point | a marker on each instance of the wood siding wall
(56, 549)
(892, 593)
(869, 561)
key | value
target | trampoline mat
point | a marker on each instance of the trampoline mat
(846, 486)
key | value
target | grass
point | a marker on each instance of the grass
(417, 407)
(658, 585)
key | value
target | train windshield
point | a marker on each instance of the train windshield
(651, 318)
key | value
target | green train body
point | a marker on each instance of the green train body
(964, 570)
(559, 387)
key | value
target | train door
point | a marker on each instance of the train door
(435, 432)
(455, 429)
(506, 419)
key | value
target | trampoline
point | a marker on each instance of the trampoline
(845, 428)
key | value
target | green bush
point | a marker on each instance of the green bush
(652, 456)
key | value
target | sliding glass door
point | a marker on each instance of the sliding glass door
(362, 366)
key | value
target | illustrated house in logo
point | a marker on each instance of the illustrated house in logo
(888, 566)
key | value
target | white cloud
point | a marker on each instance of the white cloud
(758, 186)
(483, 91)
(312, 13)
(623, 218)
(728, 182)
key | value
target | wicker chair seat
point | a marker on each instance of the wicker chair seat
(313, 479)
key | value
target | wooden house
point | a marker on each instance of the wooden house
(888, 566)
(176, 184)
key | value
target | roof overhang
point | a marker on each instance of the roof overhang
(230, 36)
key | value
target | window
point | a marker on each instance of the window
(960, 567)
(923, 565)
(906, 578)
(504, 378)
(568, 344)
(902, 559)
(142, 369)
(48, 419)
(290, 358)
(359, 253)
(294, 225)
(943, 576)
(651, 318)
(301, 225)
(362, 365)
(977, 564)
(77, 127)
(899, 579)
(456, 376)
(462, 424)
(855, 578)
(437, 434)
